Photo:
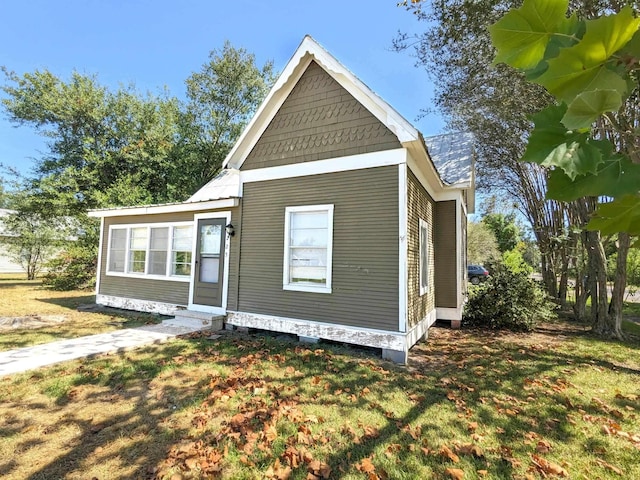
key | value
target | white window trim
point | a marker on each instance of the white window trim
(285, 272)
(148, 226)
(423, 226)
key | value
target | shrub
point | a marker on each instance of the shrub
(508, 299)
(515, 262)
(73, 268)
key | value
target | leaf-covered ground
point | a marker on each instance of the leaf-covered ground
(552, 404)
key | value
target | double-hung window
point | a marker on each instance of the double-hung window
(424, 256)
(308, 247)
(137, 250)
(181, 250)
(160, 251)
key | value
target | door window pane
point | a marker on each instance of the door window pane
(209, 269)
(210, 236)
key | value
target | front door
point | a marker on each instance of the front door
(209, 264)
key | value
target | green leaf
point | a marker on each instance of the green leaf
(588, 106)
(583, 67)
(552, 145)
(522, 35)
(620, 215)
(616, 177)
(632, 48)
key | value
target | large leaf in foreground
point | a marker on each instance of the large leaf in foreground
(588, 106)
(582, 67)
(552, 145)
(522, 35)
(621, 215)
(616, 177)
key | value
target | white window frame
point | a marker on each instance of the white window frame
(286, 284)
(148, 226)
(423, 256)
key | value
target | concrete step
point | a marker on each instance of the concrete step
(195, 320)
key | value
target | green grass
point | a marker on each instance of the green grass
(252, 407)
(22, 298)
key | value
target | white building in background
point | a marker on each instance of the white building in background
(6, 264)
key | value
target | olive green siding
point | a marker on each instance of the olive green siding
(166, 291)
(319, 120)
(420, 205)
(445, 261)
(365, 248)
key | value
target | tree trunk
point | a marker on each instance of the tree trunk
(619, 287)
(598, 284)
(549, 274)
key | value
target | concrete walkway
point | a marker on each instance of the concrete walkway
(28, 358)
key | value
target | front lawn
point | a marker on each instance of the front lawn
(551, 404)
(54, 313)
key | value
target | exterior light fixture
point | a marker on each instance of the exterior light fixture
(230, 230)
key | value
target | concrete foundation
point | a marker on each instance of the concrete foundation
(395, 356)
(304, 339)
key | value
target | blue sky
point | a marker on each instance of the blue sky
(158, 44)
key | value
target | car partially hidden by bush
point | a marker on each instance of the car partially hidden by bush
(477, 274)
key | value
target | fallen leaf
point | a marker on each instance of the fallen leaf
(448, 453)
(455, 473)
(546, 467)
(609, 466)
(366, 466)
(543, 446)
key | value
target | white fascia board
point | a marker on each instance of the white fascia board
(310, 50)
(342, 164)
(172, 208)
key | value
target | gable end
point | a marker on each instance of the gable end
(319, 120)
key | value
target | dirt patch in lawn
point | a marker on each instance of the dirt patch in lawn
(30, 321)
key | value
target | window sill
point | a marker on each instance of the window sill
(150, 277)
(306, 288)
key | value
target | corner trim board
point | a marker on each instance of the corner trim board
(100, 245)
(402, 248)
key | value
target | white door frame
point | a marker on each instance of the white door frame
(222, 310)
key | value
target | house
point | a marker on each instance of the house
(7, 264)
(328, 220)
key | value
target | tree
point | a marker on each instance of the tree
(221, 99)
(493, 102)
(31, 239)
(589, 137)
(3, 200)
(504, 228)
(482, 246)
(117, 148)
